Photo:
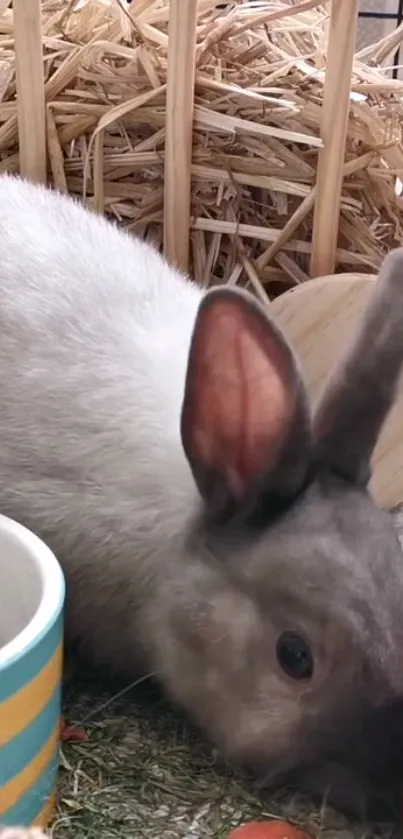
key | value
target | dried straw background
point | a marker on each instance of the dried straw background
(258, 94)
(259, 89)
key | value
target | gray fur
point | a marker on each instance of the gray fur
(111, 368)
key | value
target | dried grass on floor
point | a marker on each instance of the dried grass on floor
(259, 89)
(145, 774)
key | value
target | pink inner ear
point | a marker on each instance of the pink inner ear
(242, 390)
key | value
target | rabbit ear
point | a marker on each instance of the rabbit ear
(245, 422)
(362, 388)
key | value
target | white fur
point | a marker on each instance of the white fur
(94, 336)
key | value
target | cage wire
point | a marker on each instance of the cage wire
(378, 18)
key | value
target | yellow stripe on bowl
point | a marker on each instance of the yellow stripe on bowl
(17, 712)
(43, 818)
(16, 788)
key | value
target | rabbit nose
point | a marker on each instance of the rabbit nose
(357, 764)
(362, 772)
(356, 796)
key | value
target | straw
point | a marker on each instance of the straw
(30, 89)
(179, 125)
(55, 153)
(259, 88)
(335, 108)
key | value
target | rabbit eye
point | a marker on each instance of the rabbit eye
(294, 656)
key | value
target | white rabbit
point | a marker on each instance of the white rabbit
(159, 440)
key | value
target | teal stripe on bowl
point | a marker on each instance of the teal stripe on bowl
(18, 752)
(23, 669)
(28, 808)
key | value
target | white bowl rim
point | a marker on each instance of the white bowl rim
(53, 594)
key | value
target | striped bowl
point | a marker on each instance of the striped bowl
(31, 638)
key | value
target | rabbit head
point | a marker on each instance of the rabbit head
(289, 649)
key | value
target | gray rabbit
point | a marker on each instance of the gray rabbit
(159, 440)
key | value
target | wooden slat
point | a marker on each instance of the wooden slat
(179, 126)
(30, 89)
(335, 107)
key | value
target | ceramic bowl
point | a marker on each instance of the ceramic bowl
(31, 642)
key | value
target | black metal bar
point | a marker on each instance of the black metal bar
(379, 15)
(396, 59)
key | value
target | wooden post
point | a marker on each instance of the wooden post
(30, 89)
(179, 125)
(335, 108)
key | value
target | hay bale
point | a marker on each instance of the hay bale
(259, 87)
